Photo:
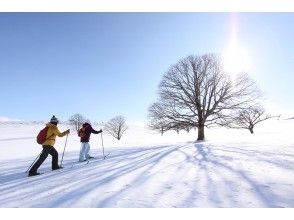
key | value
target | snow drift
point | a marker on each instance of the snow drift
(231, 169)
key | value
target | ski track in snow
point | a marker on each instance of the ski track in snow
(184, 175)
(231, 170)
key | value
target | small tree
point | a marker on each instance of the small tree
(116, 127)
(247, 118)
(77, 120)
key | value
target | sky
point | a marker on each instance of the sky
(106, 64)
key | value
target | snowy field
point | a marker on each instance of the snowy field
(232, 168)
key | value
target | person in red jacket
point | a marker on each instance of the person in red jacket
(85, 133)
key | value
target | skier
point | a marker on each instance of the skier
(48, 147)
(85, 133)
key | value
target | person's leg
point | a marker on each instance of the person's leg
(82, 152)
(87, 150)
(41, 159)
(53, 152)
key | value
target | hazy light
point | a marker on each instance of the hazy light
(236, 60)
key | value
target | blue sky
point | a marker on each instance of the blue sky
(105, 64)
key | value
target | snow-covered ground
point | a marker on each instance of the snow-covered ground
(232, 168)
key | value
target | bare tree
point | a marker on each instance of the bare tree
(116, 127)
(162, 127)
(196, 92)
(159, 127)
(77, 120)
(247, 118)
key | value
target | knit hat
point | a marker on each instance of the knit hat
(54, 119)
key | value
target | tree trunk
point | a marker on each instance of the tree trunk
(200, 133)
(251, 130)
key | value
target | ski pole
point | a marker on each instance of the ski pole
(34, 162)
(102, 146)
(64, 149)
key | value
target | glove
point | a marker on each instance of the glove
(68, 131)
(100, 130)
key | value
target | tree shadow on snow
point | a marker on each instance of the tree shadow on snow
(103, 183)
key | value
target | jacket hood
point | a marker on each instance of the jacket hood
(50, 125)
(86, 124)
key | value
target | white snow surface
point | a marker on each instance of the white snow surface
(232, 168)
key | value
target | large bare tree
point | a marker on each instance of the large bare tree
(247, 118)
(116, 127)
(196, 92)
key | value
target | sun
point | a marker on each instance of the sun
(236, 60)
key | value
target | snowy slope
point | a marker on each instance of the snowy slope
(231, 169)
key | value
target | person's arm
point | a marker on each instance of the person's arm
(95, 132)
(61, 134)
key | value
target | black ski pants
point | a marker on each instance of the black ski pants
(47, 149)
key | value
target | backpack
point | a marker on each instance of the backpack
(82, 132)
(41, 137)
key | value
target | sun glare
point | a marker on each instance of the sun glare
(236, 60)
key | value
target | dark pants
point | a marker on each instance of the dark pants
(47, 149)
